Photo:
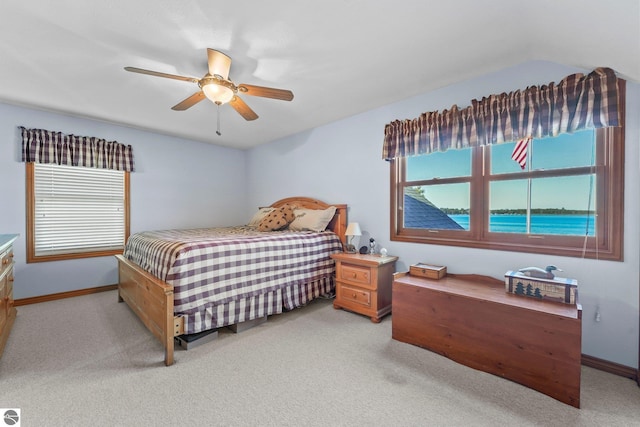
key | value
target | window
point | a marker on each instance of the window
(568, 200)
(75, 212)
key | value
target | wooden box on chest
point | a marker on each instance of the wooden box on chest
(427, 270)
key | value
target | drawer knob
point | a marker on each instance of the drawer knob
(354, 295)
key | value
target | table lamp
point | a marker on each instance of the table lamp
(353, 229)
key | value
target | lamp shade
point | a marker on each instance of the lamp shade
(353, 229)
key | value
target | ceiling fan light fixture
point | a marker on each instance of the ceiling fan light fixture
(218, 90)
(217, 94)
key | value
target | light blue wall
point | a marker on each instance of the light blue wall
(341, 163)
(177, 184)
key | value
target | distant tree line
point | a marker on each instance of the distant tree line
(540, 211)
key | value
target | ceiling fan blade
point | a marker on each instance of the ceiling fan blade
(159, 74)
(219, 63)
(243, 109)
(266, 92)
(189, 102)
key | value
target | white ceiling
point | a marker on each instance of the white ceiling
(339, 57)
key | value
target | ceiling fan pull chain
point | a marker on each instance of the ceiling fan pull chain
(218, 130)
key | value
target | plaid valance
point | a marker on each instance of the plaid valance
(577, 102)
(43, 146)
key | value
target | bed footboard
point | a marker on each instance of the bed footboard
(152, 301)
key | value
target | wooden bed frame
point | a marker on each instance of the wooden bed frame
(151, 299)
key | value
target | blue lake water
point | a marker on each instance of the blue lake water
(575, 225)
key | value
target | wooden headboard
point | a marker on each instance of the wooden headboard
(339, 222)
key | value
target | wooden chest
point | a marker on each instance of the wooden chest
(472, 320)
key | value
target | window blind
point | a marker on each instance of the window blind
(78, 209)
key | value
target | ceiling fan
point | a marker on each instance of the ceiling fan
(218, 87)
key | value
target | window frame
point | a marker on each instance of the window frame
(31, 257)
(607, 244)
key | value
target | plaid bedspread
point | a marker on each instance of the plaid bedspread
(215, 266)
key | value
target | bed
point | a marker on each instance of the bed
(186, 282)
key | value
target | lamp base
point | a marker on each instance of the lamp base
(350, 249)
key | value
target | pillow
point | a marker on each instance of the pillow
(312, 219)
(277, 219)
(257, 217)
(287, 210)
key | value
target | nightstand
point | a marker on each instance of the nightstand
(363, 283)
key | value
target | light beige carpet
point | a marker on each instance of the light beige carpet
(88, 361)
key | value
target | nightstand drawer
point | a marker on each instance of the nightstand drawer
(355, 274)
(358, 296)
